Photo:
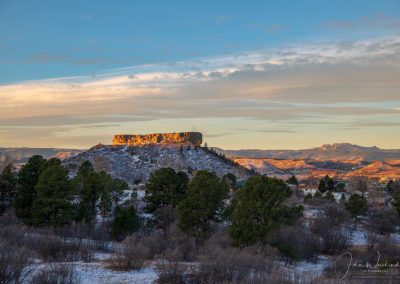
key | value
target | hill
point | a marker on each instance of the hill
(378, 169)
(333, 152)
(136, 163)
(21, 155)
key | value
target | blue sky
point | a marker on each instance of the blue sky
(249, 74)
(44, 39)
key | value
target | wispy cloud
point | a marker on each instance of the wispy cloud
(377, 21)
(298, 85)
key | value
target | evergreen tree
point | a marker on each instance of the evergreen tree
(125, 223)
(26, 193)
(230, 180)
(322, 186)
(307, 198)
(111, 191)
(259, 209)
(8, 183)
(317, 195)
(203, 204)
(330, 183)
(357, 205)
(53, 203)
(389, 185)
(293, 180)
(96, 190)
(396, 202)
(327, 183)
(165, 187)
(329, 196)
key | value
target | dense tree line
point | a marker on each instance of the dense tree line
(43, 194)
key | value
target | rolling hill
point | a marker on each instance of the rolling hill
(332, 152)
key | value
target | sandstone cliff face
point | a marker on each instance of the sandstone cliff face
(194, 138)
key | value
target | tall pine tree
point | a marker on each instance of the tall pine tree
(8, 182)
(53, 203)
(25, 192)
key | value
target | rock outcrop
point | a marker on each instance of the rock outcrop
(194, 138)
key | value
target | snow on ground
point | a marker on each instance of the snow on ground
(141, 194)
(359, 236)
(315, 269)
(94, 273)
(312, 213)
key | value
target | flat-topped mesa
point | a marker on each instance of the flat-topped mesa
(194, 138)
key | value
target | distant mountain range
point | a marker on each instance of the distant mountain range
(342, 159)
(332, 152)
(21, 155)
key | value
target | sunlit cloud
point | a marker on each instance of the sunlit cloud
(296, 86)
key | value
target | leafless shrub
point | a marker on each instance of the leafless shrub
(293, 277)
(372, 240)
(133, 254)
(56, 274)
(336, 214)
(165, 216)
(383, 221)
(389, 249)
(14, 234)
(76, 230)
(13, 263)
(53, 248)
(233, 265)
(334, 239)
(178, 246)
(9, 219)
(357, 183)
(171, 272)
(298, 243)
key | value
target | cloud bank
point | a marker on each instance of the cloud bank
(325, 88)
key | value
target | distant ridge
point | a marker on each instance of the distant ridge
(21, 155)
(334, 152)
(377, 169)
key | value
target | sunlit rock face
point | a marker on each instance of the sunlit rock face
(194, 138)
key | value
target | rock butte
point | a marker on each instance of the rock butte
(194, 138)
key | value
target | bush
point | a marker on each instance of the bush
(336, 214)
(296, 248)
(382, 248)
(125, 223)
(13, 263)
(132, 255)
(56, 274)
(334, 240)
(179, 246)
(234, 265)
(170, 272)
(383, 221)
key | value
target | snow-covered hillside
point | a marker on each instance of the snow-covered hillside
(136, 163)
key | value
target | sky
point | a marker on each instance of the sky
(247, 74)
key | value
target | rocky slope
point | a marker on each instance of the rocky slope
(334, 152)
(136, 163)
